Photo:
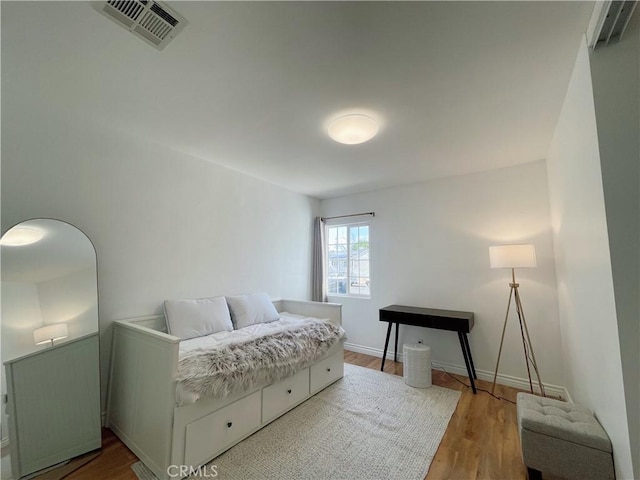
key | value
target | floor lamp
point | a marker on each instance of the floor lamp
(516, 256)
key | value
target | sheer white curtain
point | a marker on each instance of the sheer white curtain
(318, 283)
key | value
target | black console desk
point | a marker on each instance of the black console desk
(461, 322)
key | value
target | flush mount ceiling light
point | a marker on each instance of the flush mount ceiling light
(19, 236)
(353, 129)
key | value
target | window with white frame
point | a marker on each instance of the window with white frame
(347, 257)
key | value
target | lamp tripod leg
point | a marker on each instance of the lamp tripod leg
(504, 328)
(526, 347)
(532, 359)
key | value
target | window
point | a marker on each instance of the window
(348, 260)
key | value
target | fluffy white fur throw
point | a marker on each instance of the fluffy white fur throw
(239, 366)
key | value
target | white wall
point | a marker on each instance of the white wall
(591, 352)
(430, 247)
(164, 224)
(616, 85)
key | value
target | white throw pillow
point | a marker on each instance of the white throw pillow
(191, 318)
(252, 308)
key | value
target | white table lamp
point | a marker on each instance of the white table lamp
(50, 333)
(516, 256)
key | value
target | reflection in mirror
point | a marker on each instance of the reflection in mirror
(50, 281)
(49, 306)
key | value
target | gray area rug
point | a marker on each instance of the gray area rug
(368, 425)
(142, 472)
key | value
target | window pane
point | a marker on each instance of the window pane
(355, 269)
(347, 260)
(332, 236)
(342, 235)
(363, 268)
(342, 285)
(353, 234)
(363, 233)
(364, 286)
(354, 251)
(336, 285)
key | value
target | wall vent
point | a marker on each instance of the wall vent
(612, 21)
(152, 21)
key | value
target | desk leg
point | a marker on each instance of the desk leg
(466, 344)
(466, 361)
(395, 349)
(386, 344)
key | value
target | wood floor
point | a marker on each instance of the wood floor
(481, 441)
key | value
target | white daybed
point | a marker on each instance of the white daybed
(143, 410)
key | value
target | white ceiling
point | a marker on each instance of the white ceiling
(459, 87)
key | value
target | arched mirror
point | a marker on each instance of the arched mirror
(50, 346)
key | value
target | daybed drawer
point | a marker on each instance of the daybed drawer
(281, 396)
(210, 435)
(326, 371)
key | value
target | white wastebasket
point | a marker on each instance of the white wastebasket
(417, 365)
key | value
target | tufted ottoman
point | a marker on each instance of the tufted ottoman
(562, 439)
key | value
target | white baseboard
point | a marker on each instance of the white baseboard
(375, 352)
(516, 382)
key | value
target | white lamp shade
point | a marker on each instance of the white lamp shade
(512, 256)
(48, 333)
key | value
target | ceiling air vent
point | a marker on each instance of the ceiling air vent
(152, 21)
(611, 21)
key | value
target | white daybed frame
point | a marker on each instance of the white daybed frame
(142, 409)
